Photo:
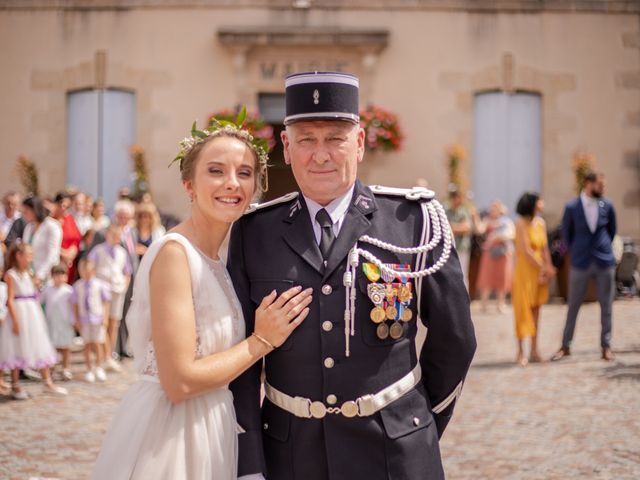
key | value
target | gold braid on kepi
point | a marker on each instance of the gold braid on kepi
(216, 127)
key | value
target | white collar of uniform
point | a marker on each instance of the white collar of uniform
(336, 209)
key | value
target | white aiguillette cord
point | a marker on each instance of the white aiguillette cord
(433, 214)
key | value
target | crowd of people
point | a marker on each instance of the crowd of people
(66, 275)
(515, 259)
(67, 269)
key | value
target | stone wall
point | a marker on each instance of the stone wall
(422, 62)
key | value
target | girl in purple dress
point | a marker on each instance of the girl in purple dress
(24, 341)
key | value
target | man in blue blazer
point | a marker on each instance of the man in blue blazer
(588, 228)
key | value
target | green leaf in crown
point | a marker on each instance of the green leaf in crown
(241, 117)
(252, 128)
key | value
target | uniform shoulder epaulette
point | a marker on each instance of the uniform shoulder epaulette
(254, 207)
(414, 193)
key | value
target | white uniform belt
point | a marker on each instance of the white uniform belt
(362, 407)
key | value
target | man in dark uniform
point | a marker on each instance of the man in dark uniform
(348, 395)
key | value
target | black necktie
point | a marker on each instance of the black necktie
(326, 236)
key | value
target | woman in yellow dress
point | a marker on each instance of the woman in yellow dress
(533, 271)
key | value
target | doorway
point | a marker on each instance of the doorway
(281, 180)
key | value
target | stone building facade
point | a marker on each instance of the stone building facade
(445, 67)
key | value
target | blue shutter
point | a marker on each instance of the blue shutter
(507, 159)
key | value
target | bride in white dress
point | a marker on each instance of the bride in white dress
(186, 328)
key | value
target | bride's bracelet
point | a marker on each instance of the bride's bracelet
(264, 340)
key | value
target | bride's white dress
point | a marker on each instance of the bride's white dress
(149, 437)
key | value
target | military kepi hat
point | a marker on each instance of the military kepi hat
(321, 96)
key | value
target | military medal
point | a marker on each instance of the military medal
(404, 293)
(392, 312)
(382, 331)
(435, 223)
(371, 271)
(390, 292)
(376, 293)
(377, 314)
(390, 299)
(396, 331)
(396, 267)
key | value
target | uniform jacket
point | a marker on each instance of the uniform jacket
(586, 246)
(274, 248)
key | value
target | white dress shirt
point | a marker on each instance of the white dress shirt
(6, 222)
(591, 210)
(46, 242)
(336, 209)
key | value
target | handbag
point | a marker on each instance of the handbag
(499, 250)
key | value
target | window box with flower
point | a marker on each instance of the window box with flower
(382, 129)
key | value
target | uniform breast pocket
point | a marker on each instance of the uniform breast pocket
(262, 288)
(378, 330)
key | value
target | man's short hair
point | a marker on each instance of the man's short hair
(9, 194)
(125, 205)
(59, 269)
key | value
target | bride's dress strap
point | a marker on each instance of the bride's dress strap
(139, 315)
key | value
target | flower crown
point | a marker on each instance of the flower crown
(260, 146)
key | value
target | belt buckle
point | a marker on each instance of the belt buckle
(317, 410)
(349, 409)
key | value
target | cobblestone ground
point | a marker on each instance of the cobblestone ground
(579, 418)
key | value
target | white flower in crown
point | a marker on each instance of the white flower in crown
(187, 143)
(259, 145)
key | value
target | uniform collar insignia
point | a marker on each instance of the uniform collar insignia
(294, 210)
(364, 203)
(297, 206)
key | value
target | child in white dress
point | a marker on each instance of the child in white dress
(56, 300)
(90, 301)
(24, 341)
